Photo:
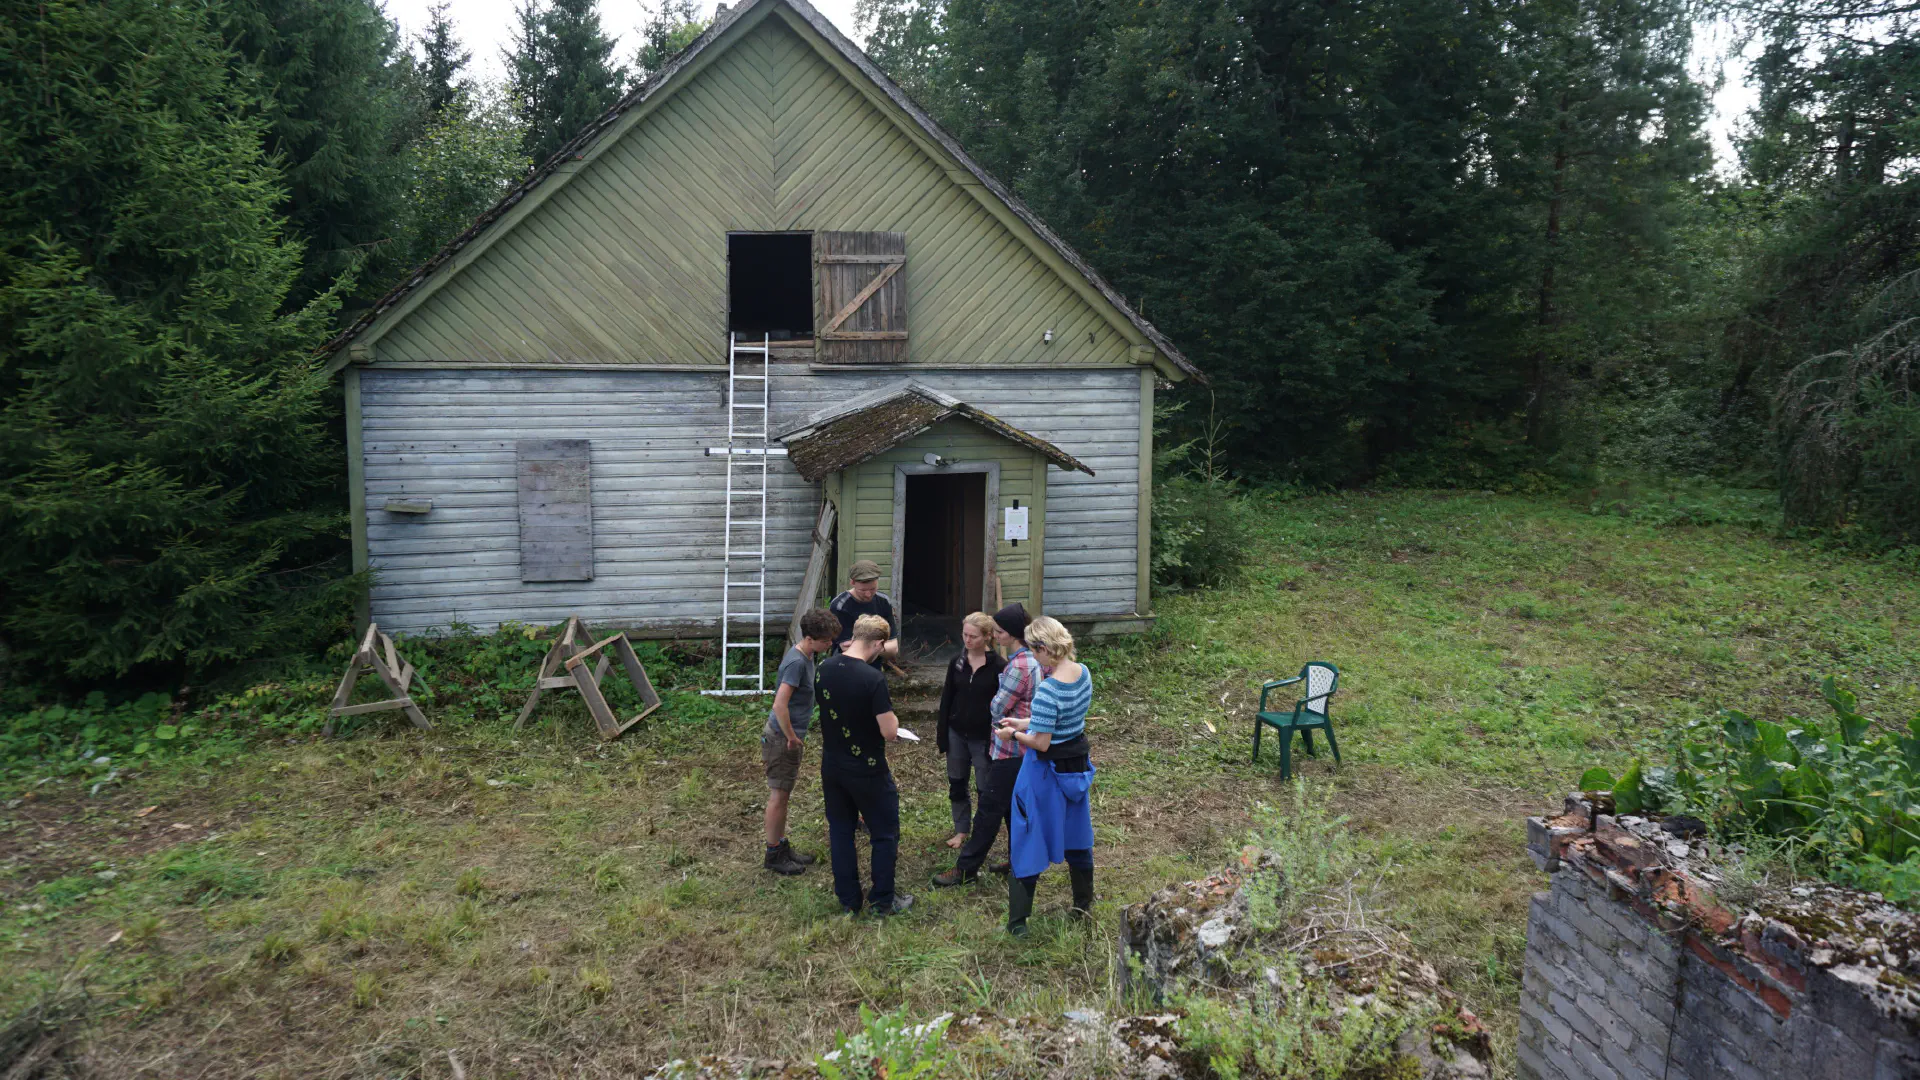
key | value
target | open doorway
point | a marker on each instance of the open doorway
(770, 285)
(943, 555)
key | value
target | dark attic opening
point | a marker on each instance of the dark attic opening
(770, 285)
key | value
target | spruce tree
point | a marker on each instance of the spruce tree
(441, 62)
(340, 107)
(168, 487)
(560, 71)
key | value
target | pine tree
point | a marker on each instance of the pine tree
(168, 488)
(560, 72)
(441, 61)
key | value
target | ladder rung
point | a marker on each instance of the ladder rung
(762, 378)
(745, 521)
(747, 405)
(746, 554)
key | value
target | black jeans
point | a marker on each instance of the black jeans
(874, 797)
(996, 800)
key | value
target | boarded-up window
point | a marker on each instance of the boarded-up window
(863, 297)
(556, 510)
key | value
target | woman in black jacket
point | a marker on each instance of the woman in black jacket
(965, 724)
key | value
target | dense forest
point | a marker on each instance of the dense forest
(1412, 243)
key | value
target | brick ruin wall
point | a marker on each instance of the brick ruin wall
(1634, 971)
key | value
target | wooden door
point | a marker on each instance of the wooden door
(863, 297)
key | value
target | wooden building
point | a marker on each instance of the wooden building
(531, 415)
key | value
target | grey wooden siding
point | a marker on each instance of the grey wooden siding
(449, 436)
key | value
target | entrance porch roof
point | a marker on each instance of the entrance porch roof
(879, 420)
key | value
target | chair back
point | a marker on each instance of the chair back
(1322, 680)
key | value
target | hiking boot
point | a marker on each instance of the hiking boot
(946, 879)
(901, 902)
(1004, 866)
(800, 857)
(780, 861)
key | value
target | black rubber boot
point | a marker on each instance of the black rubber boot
(1019, 904)
(1082, 892)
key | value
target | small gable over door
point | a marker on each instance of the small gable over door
(863, 297)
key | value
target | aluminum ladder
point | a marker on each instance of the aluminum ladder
(743, 577)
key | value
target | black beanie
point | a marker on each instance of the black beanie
(1013, 619)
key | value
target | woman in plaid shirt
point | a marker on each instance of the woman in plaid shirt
(1014, 701)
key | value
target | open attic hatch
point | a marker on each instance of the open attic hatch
(770, 285)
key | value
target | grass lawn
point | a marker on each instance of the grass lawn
(543, 908)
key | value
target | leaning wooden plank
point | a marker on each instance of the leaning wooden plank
(816, 568)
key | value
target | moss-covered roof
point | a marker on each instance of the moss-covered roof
(876, 422)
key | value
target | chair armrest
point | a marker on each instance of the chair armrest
(1271, 685)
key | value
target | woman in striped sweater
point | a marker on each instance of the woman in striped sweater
(1052, 821)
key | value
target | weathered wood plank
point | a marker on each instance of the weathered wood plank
(556, 509)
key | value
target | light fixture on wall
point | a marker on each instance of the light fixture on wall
(1047, 338)
(936, 461)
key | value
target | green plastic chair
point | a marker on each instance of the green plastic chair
(1308, 713)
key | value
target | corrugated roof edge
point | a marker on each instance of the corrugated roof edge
(859, 59)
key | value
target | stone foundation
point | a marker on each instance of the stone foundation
(1635, 972)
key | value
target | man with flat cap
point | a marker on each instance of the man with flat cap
(863, 597)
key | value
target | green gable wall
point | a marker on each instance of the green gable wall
(868, 530)
(626, 264)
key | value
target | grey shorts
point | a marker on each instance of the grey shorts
(783, 765)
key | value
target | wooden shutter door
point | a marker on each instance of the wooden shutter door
(863, 297)
(556, 510)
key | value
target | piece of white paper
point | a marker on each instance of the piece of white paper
(1016, 522)
(908, 736)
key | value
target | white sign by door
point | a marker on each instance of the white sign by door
(1016, 522)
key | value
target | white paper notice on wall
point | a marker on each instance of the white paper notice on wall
(1016, 517)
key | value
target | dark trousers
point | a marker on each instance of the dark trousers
(1077, 859)
(874, 797)
(996, 800)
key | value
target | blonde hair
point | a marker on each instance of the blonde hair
(871, 628)
(1046, 634)
(982, 622)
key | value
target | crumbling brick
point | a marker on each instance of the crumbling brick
(1635, 971)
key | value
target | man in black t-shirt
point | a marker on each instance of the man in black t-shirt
(856, 721)
(863, 597)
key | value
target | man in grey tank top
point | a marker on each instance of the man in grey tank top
(782, 742)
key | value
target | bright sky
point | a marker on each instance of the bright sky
(485, 27)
